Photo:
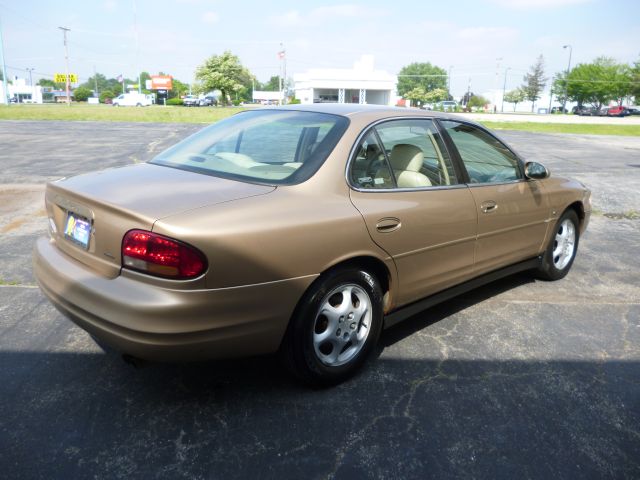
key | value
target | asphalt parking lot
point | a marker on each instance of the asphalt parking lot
(519, 379)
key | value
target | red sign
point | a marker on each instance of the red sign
(161, 82)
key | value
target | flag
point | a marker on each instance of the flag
(281, 55)
(120, 78)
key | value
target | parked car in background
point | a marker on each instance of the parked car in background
(558, 110)
(617, 111)
(207, 101)
(132, 100)
(302, 230)
(633, 110)
(586, 111)
(445, 106)
(602, 112)
(191, 101)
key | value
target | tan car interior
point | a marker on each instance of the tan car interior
(406, 162)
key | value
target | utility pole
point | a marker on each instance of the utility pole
(496, 85)
(30, 76)
(566, 80)
(66, 59)
(135, 29)
(4, 70)
(283, 72)
(95, 80)
(449, 83)
(504, 88)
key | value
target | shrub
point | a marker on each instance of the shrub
(81, 94)
(175, 101)
(294, 101)
(106, 94)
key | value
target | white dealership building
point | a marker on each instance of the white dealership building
(361, 84)
(21, 91)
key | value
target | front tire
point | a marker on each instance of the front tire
(334, 328)
(562, 248)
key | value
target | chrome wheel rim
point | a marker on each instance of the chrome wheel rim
(564, 244)
(342, 325)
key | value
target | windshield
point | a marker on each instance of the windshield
(268, 146)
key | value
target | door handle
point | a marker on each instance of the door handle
(389, 224)
(488, 206)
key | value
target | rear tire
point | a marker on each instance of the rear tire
(562, 248)
(335, 327)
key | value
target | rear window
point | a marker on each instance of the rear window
(269, 146)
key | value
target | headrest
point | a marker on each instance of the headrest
(406, 157)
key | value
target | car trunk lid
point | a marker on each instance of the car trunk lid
(112, 202)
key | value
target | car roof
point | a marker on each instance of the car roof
(353, 110)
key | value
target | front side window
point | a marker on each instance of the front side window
(486, 159)
(410, 154)
(274, 147)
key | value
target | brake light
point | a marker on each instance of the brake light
(161, 256)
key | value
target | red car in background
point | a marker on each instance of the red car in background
(617, 111)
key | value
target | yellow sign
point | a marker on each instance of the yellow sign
(62, 78)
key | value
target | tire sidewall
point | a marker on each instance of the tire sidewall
(309, 365)
(548, 269)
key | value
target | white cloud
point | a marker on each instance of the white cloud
(321, 14)
(210, 17)
(110, 5)
(487, 33)
(437, 26)
(538, 4)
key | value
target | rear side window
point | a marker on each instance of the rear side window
(486, 159)
(402, 154)
(272, 146)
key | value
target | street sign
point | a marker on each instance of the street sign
(62, 78)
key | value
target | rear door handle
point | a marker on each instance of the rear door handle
(488, 206)
(388, 224)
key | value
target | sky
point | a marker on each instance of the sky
(477, 40)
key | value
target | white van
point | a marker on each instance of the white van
(133, 100)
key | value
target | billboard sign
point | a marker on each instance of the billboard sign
(161, 82)
(62, 78)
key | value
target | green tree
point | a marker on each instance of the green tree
(477, 101)
(424, 75)
(600, 82)
(223, 72)
(515, 96)
(81, 94)
(98, 79)
(436, 95)
(273, 85)
(559, 88)
(634, 89)
(534, 81)
(45, 82)
(416, 95)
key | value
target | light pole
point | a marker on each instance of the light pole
(566, 80)
(30, 77)
(504, 88)
(4, 71)
(30, 81)
(449, 82)
(66, 59)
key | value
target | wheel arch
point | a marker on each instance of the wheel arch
(578, 207)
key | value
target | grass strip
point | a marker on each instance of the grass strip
(577, 128)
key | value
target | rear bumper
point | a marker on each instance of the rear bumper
(166, 324)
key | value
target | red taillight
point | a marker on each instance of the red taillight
(161, 256)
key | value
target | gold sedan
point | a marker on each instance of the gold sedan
(301, 230)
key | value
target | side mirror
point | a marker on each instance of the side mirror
(536, 171)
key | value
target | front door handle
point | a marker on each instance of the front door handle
(388, 224)
(488, 206)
